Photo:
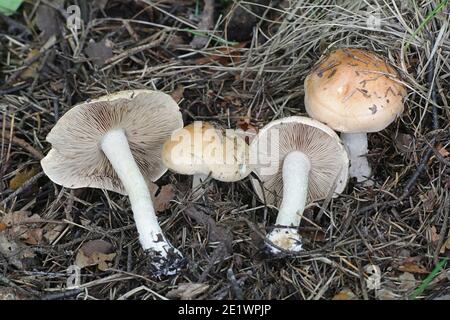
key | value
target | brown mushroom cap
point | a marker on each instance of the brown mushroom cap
(353, 90)
(328, 158)
(76, 159)
(201, 148)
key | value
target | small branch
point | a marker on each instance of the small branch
(25, 145)
(23, 187)
(206, 23)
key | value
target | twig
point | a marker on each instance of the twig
(23, 187)
(206, 23)
(22, 143)
(116, 59)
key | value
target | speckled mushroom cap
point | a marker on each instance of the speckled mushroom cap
(353, 90)
(201, 148)
(76, 159)
(328, 158)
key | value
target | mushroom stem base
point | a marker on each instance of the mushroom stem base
(296, 168)
(357, 147)
(116, 148)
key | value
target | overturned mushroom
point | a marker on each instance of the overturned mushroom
(299, 160)
(354, 91)
(115, 143)
(200, 149)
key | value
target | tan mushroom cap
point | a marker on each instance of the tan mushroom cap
(353, 90)
(76, 159)
(201, 148)
(328, 158)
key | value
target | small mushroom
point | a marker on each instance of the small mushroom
(200, 149)
(115, 143)
(300, 160)
(354, 91)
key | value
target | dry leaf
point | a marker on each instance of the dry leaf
(52, 231)
(7, 293)
(224, 55)
(99, 52)
(31, 70)
(345, 294)
(404, 142)
(47, 20)
(22, 226)
(161, 201)
(432, 234)
(187, 291)
(429, 200)
(412, 267)
(385, 294)
(442, 151)
(95, 253)
(407, 281)
(13, 251)
(2, 226)
(177, 94)
(446, 245)
(21, 177)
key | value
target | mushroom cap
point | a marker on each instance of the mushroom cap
(328, 157)
(201, 148)
(76, 159)
(353, 90)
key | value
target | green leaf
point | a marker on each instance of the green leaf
(8, 7)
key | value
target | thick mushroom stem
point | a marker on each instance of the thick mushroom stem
(165, 258)
(296, 168)
(357, 147)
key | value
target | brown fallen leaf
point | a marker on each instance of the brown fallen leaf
(224, 55)
(446, 245)
(165, 195)
(23, 227)
(14, 252)
(31, 70)
(21, 177)
(48, 21)
(99, 52)
(429, 200)
(95, 253)
(442, 151)
(432, 234)
(177, 94)
(407, 281)
(52, 231)
(2, 226)
(345, 294)
(187, 291)
(161, 201)
(7, 293)
(412, 267)
(404, 142)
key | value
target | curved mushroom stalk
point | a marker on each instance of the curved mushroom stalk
(165, 259)
(357, 147)
(296, 168)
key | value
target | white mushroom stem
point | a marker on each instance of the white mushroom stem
(357, 147)
(295, 171)
(115, 146)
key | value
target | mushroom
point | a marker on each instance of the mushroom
(115, 143)
(303, 160)
(354, 91)
(200, 149)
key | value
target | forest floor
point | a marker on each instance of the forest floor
(240, 65)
